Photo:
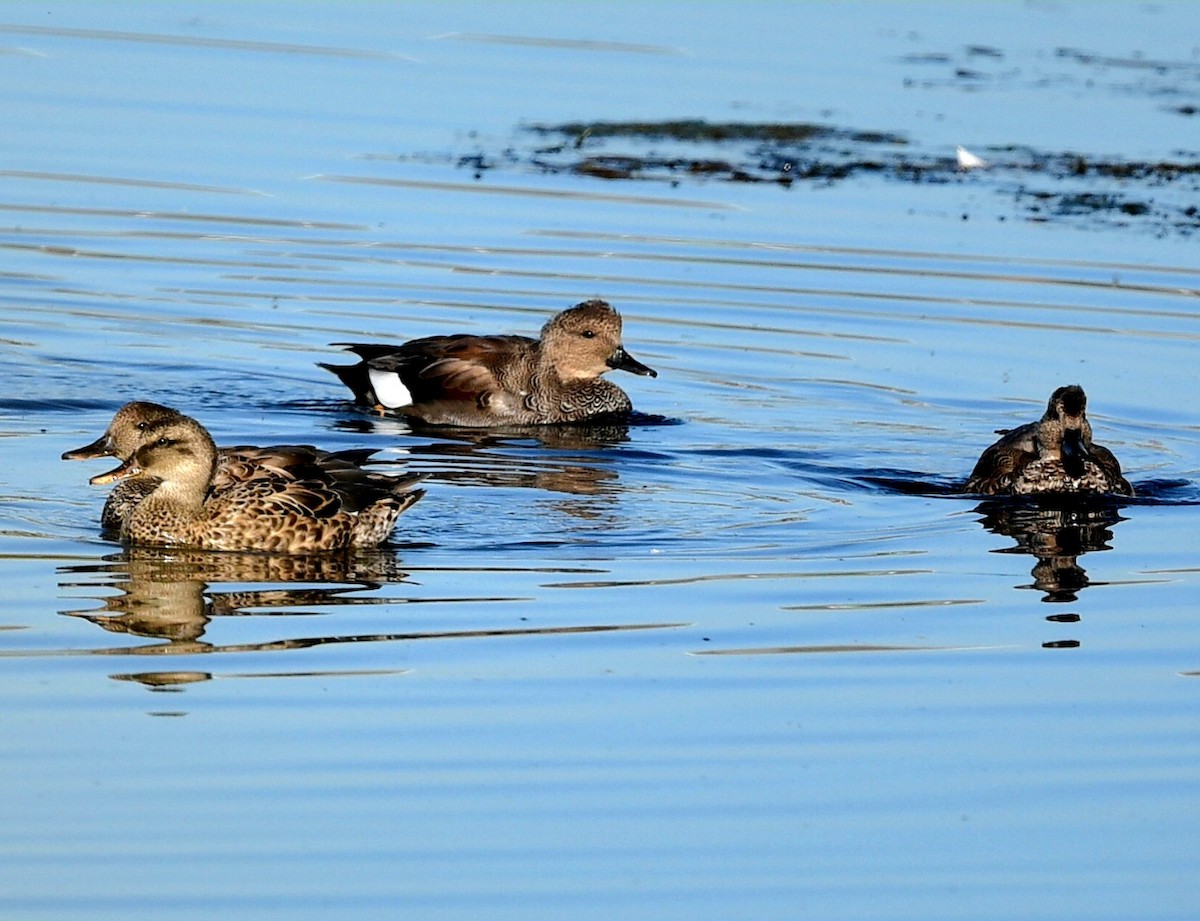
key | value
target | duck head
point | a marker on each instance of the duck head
(1064, 431)
(177, 450)
(584, 342)
(125, 433)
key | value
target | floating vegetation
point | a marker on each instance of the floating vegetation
(1070, 186)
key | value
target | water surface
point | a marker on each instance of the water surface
(753, 653)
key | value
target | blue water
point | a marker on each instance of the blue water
(753, 654)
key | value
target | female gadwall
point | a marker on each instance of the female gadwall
(1056, 454)
(269, 513)
(481, 381)
(235, 463)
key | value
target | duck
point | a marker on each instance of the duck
(1053, 456)
(477, 381)
(235, 463)
(295, 514)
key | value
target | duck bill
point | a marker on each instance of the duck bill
(620, 360)
(1074, 452)
(125, 471)
(98, 448)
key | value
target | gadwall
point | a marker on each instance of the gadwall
(235, 463)
(481, 381)
(269, 513)
(1056, 454)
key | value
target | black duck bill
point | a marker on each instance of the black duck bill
(620, 360)
(98, 448)
(1074, 452)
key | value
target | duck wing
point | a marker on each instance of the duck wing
(1002, 460)
(466, 368)
(1107, 462)
(272, 497)
(241, 463)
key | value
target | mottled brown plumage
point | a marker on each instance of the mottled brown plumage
(481, 381)
(295, 514)
(235, 463)
(1055, 455)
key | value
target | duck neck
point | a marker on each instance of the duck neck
(178, 494)
(544, 368)
(166, 515)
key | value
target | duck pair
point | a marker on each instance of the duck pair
(176, 488)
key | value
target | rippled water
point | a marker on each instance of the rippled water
(753, 653)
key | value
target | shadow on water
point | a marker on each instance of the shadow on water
(918, 483)
(172, 598)
(1056, 531)
(1056, 535)
(599, 433)
(571, 459)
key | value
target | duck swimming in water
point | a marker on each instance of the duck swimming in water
(235, 463)
(481, 381)
(1055, 455)
(298, 514)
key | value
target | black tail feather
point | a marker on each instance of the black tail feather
(355, 377)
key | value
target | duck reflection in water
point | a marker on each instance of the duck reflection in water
(1056, 534)
(574, 460)
(167, 595)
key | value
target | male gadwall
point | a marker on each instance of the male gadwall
(235, 463)
(268, 513)
(1056, 454)
(481, 381)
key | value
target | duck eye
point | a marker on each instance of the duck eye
(141, 426)
(588, 334)
(164, 441)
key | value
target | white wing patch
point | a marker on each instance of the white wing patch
(389, 389)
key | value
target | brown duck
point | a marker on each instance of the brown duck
(481, 381)
(235, 463)
(268, 513)
(1055, 455)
